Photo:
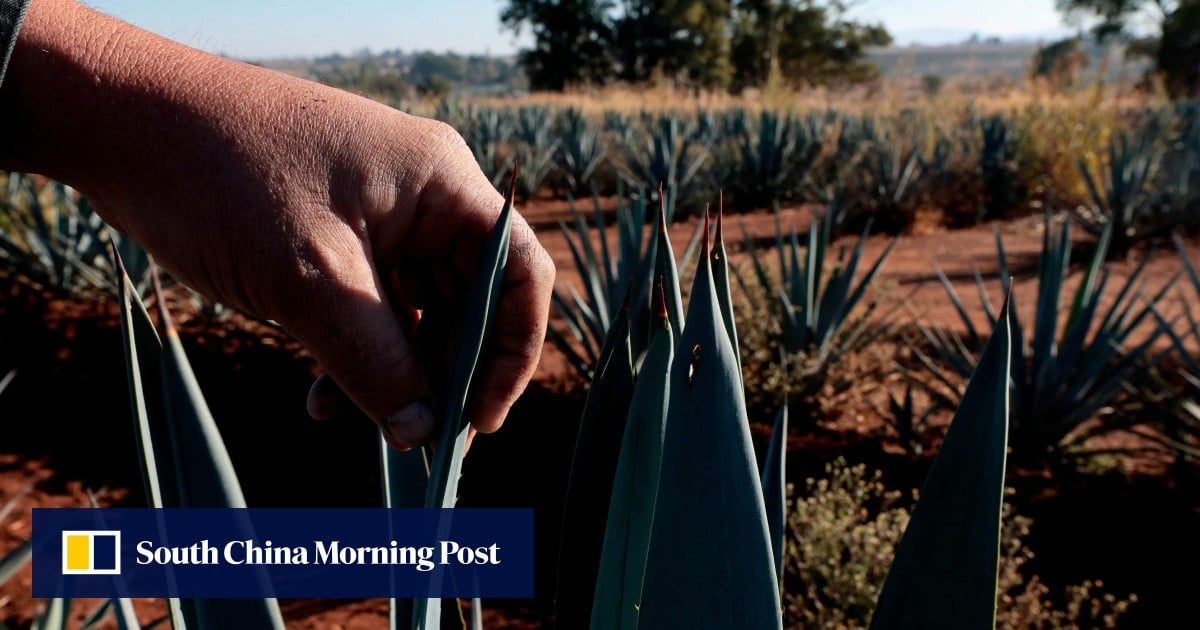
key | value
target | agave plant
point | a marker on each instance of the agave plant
(815, 304)
(488, 132)
(906, 424)
(582, 150)
(680, 413)
(606, 275)
(622, 128)
(667, 439)
(1191, 322)
(1181, 168)
(535, 148)
(452, 112)
(998, 166)
(950, 550)
(610, 275)
(771, 157)
(1125, 195)
(1184, 434)
(889, 176)
(184, 462)
(51, 237)
(669, 157)
(1069, 374)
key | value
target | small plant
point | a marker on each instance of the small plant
(999, 170)
(888, 174)
(668, 157)
(535, 149)
(770, 158)
(488, 133)
(606, 276)
(843, 532)
(906, 424)
(1125, 196)
(582, 150)
(813, 308)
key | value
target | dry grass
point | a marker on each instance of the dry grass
(883, 97)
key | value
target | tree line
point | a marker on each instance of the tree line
(1165, 31)
(736, 44)
(714, 44)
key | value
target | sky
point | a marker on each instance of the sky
(268, 29)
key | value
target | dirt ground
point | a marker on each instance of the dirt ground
(64, 430)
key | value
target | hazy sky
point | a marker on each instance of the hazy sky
(281, 28)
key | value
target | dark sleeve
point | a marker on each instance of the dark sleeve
(11, 14)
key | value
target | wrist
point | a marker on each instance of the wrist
(51, 78)
(98, 103)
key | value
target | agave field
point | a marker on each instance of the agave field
(806, 369)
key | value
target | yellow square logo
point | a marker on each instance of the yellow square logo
(91, 552)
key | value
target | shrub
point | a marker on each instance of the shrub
(842, 536)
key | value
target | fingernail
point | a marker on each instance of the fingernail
(411, 425)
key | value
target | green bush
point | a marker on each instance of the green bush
(841, 537)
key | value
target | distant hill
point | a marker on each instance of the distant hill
(990, 58)
(398, 75)
(395, 74)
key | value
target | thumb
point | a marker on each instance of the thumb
(348, 324)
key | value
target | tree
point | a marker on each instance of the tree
(706, 43)
(804, 41)
(1166, 30)
(1178, 54)
(1060, 63)
(682, 39)
(572, 40)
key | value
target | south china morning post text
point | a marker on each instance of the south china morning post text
(241, 552)
(461, 552)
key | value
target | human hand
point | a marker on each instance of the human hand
(335, 216)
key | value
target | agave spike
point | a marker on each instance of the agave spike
(445, 468)
(665, 270)
(15, 560)
(774, 483)
(405, 479)
(945, 571)
(709, 567)
(597, 451)
(721, 279)
(635, 488)
(202, 474)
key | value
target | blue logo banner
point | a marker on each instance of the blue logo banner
(463, 552)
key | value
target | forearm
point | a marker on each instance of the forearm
(92, 100)
(133, 119)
